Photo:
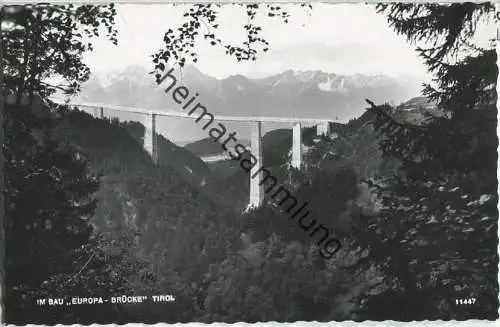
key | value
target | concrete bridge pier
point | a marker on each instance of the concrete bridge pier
(323, 128)
(150, 137)
(99, 112)
(297, 146)
(256, 188)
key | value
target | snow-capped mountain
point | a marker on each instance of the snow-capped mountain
(311, 94)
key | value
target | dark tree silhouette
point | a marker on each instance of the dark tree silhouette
(435, 236)
(51, 250)
(45, 41)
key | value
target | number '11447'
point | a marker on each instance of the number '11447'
(466, 301)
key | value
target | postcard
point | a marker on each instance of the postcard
(248, 162)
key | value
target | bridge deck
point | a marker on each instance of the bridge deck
(217, 117)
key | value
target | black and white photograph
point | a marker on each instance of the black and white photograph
(248, 162)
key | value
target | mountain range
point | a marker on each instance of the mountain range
(307, 94)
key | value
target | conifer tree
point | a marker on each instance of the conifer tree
(50, 248)
(435, 237)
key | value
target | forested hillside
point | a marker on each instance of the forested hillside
(187, 165)
(188, 243)
(177, 228)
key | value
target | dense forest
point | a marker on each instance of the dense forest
(87, 213)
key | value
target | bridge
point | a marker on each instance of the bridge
(150, 137)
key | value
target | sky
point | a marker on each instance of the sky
(344, 39)
(336, 38)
